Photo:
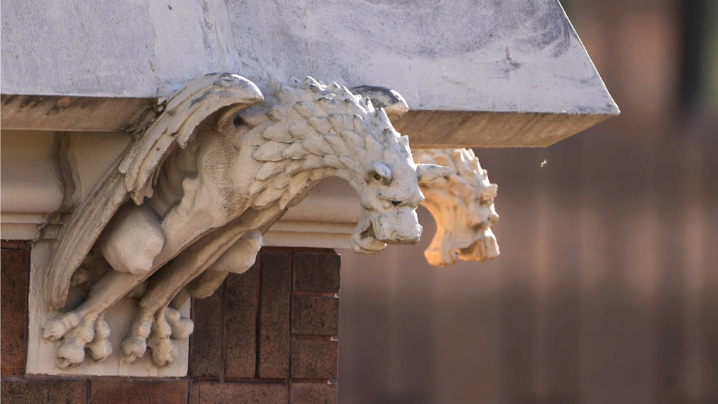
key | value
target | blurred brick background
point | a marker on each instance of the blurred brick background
(606, 290)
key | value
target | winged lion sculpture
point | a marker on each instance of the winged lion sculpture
(189, 199)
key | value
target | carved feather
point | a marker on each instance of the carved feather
(278, 132)
(297, 183)
(270, 151)
(332, 161)
(317, 145)
(332, 106)
(270, 169)
(308, 109)
(352, 140)
(312, 161)
(295, 151)
(337, 144)
(267, 196)
(321, 124)
(302, 130)
(294, 167)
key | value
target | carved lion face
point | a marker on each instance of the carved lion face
(388, 188)
(463, 206)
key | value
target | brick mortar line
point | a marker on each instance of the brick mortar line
(254, 380)
(257, 318)
(222, 350)
(317, 294)
(313, 381)
(189, 389)
(291, 320)
(26, 314)
(310, 337)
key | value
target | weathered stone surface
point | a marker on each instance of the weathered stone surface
(314, 358)
(530, 50)
(124, 391)
(275, 290)
(240, 327)
(313, 393)
(462, 56)
(44, 391)
(14, 311)
(205, 353)
(317, 271)
(315, 315)
(238, 393)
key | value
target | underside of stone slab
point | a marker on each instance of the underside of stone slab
(480, 74)
(426, 129)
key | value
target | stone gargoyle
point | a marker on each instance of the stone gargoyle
(461, 203)
(189, 199)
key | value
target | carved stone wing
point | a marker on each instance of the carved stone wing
(134, 172)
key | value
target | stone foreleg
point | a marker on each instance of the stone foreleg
(237, 259)
(131, 241)
(155, 322)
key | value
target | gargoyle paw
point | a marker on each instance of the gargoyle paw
(181, 327)
(72, 350)
(100, 347)
(133, 348)
(164, 351)
(56, 327)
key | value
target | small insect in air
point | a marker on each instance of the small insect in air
(543, 163)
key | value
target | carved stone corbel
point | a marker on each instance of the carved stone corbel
(189, 199)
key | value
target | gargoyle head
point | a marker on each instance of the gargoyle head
(463, 207)
(385, 176)
(388, 187)
(387, 181)
(310, 131)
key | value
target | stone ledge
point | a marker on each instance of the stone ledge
(425, 128)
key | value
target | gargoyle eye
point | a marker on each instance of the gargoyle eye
(396, 203)
(380, 172)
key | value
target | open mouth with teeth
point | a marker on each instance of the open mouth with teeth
(367, 240)
(375, 230)
(485, 248)
(364, 239)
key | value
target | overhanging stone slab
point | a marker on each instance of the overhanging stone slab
(455, 62)
(426, 129)
(439, 129)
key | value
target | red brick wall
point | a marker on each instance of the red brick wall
(265, 336)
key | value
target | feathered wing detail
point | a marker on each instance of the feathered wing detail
(140, 164)
(313, 139)
(185, 110)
